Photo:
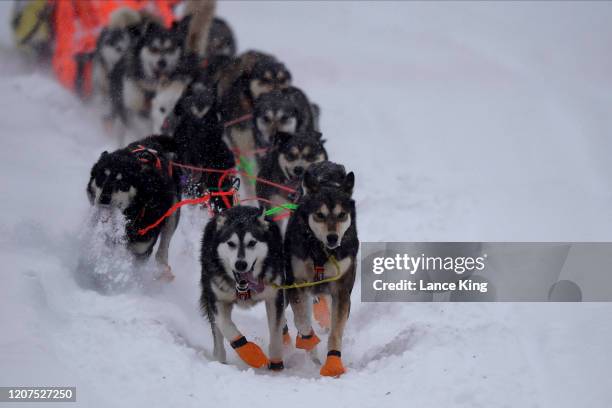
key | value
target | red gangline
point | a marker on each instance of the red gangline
(204, 199)
(240, 119)
(253, 152)
(233, 171)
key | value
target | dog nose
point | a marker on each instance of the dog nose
(161, 63)
(298, 171)
(240, 265)
(105, 199)
(332, 239)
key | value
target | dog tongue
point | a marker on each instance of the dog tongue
(255, 285)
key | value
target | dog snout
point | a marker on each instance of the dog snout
(298, 170)
(332, 239)
(105, 199)
(240, 265)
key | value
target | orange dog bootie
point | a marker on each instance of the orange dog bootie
(321, 312)
(333, 365)
(307, 342)
(249, 352)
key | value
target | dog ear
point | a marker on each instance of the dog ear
(181, 27)
(220, 220)
(281, 138)
(148, 29)
(349, 183)
(310, 183)
(261, 217)
(136, 31)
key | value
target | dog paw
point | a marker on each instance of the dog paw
(250, 353)
(307, 342)
(166, 275)
(276, 365)
(333, 365)
(321, 313)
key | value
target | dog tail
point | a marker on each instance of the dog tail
(202, 13)
(124, 17)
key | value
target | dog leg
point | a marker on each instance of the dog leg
(249, 352)
(274, 310)
(341, 303)
(301, 305)
(218, 346)
(321, 311)
(243, 140)
(164, 245)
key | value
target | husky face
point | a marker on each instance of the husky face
(242, 246)
(273, 112)
(329, 209)
(329, 212)
(267, 76)
(113, 44)
(112, 184)
(221, 40)
(161, 52)
(241, 253)
(296, 153)
(196, 105)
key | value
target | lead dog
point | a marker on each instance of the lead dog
(320, 243)
(241, 258)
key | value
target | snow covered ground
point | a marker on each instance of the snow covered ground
(463, 121)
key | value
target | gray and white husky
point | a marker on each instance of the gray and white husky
(241, 260)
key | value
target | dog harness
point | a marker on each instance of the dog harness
(148, 155)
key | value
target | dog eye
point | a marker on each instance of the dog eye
(231, 244)
(251, 243)
(311, 157)
(342, 216)
(291, 156)
(162, 109)
(319, 216)
(266, 119)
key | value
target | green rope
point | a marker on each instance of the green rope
(248, 166)
(287, 206)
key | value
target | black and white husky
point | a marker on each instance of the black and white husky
(155, 58)
(241, 258)
(139, 181)
(286, 162)
(320, 243)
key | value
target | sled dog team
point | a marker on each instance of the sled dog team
(210, 110)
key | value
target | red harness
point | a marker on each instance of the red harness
(148, 155)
